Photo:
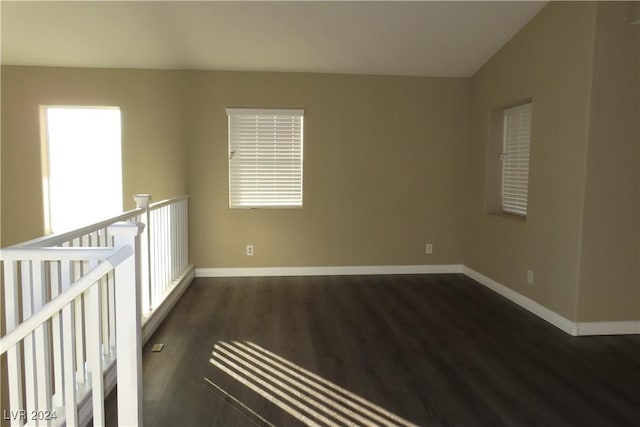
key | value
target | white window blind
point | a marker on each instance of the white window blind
(515, 158)
(265, 157)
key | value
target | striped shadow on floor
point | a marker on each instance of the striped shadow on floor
(311, 399)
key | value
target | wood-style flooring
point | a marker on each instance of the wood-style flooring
(433, 350)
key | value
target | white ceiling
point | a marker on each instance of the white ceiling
(393, 38)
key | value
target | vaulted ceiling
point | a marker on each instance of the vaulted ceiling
(387, 37)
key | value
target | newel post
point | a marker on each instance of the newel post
(128, 326)
(142, 201)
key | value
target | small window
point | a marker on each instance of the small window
(516, 141)
(265, 158)
(82, 166)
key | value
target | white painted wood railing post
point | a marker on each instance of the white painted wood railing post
(14, 354)
(128, 323)
(142, 201)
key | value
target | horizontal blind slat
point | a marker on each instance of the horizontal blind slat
(515, 159)
(265, 160)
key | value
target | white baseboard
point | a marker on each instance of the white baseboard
(550, 316)
(328, 271)
(573, 328)
(568, 326)
(631, 327)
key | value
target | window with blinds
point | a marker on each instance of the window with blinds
(516, 140)
(265, 158)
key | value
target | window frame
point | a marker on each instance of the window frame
(287, 158)
(515, 158)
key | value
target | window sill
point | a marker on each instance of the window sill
(245, 208)
(505, 215)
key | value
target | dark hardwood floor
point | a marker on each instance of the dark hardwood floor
(433, 350)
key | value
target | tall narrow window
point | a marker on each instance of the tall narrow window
(516, 140)
(265, 158)
(82, 166)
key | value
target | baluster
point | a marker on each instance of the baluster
(79, 323)
(58, 397)
(166, 245)
(155, 262)
(142, 201)
(167, 252)
(105, 300)
(104, 309)
(181, 233)
(111, 290)
(42, 351)
(162, 246)
(186, 233)
(179, 236)
(94, 352)
(172, 255)
(92, 239)
(29, 360)
(158, 260)
(175, 239)
(86, 266)
(109, 237)
(170, 251)
(167, 248)
(69, 346)
(111, 296)
(14, 354)
(160, 237)
(152, 256)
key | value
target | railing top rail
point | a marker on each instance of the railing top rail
(60, 238)
(56, 304)
(166, 202)
(56, 254)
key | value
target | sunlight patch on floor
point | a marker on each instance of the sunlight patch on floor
(308, 397)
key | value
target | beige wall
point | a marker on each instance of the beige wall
(609, 287)
(153, 140)
(383, 171)
(382, 160)
(549, 60)
(391, 163)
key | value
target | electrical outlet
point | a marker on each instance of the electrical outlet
(530, 277)
(249, 250)
(429, 249)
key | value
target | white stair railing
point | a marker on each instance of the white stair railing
(165, 247)
(51, 325)
(39, 272)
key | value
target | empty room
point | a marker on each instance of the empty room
(312, 213)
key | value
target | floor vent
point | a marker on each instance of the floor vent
(157, 348)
